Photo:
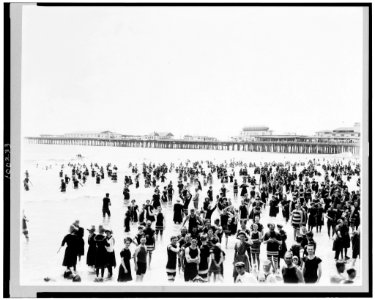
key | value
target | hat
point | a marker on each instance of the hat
(279, 226)
(92, 229)
(239, 264)
(108, 230)
(269, 224)
(241, 233)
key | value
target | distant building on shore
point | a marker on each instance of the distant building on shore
(250, 133)
(95, 134)
(341, 132)
(159, 136)
(199, 138)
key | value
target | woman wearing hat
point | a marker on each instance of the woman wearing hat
(111, 259)
(90, 258)
(101, 253)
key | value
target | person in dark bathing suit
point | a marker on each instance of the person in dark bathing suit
(106, 204)
(140, 259)
(125, 273)
(160, 224)
(290, 272)
(172, 251)
(192, 260)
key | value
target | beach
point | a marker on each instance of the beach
(50, 212)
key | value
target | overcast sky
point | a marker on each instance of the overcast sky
(190, 70)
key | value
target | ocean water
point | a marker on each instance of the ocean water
(50, 212)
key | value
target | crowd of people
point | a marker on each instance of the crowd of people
(315, 196)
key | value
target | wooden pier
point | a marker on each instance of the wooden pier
(308, 145)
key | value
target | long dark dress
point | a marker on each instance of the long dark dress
(91, 252)
(274, 209)
(156, 201)
(127, 221)
(177, 213)
(81, 242)
(71, 251)
(345, 236)
(101, 252)
(241, 256)
(283, 247)
(243, 189)
(285, 209)
(134, 214)
(319, 216)
(312, 216)
(125, 255)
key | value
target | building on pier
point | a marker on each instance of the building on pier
(250, 133)
(159, 136)
(95, 134)
(281, 138)
(349, 134)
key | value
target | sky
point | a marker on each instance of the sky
(190, 70)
